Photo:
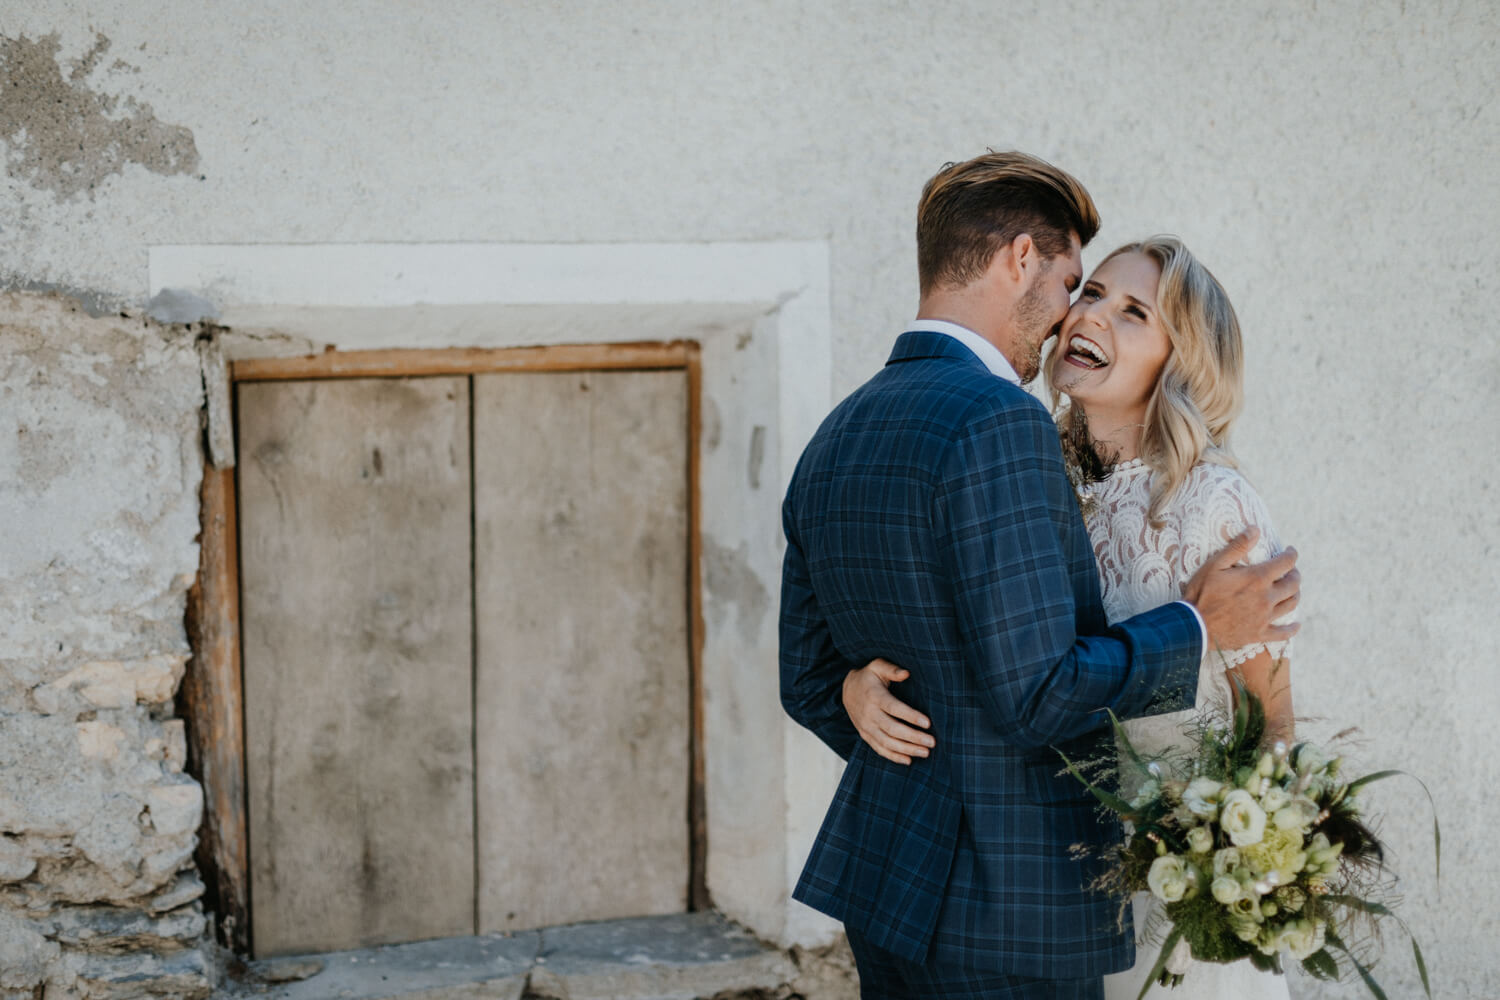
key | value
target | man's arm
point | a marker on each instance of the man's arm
(1001, 502)
(812, 670)
(1250, 600)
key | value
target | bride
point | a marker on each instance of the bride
(1150, 359)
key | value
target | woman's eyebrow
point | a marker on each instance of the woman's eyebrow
(1144, 305)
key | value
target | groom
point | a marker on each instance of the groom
(930, 523)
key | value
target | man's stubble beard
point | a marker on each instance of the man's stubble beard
(1032, 331)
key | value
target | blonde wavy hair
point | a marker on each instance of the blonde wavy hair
(1201, 387)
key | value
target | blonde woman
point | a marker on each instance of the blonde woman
(1150, 359)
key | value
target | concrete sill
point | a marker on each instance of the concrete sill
(679, 957)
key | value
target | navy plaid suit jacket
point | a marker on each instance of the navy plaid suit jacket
(930, 522)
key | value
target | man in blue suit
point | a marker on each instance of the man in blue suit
(930, 523)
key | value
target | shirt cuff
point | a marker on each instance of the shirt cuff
(1202, 628)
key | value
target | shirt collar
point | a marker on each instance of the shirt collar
(983, 349)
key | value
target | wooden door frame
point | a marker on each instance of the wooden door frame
(212, 694)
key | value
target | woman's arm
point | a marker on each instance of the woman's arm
(1270, 681)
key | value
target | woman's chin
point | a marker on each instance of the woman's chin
(1073, 384)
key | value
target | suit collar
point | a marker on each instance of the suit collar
(920, 344)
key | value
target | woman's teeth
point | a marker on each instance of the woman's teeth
(1087, 351)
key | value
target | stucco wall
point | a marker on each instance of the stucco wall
(1332, 162)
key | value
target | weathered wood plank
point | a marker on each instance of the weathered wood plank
(582, 681)
(698, 898)
(356, 615)
(209, 702)
(473, 360)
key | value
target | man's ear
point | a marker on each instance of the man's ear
(1012, 263)
(1024, 254)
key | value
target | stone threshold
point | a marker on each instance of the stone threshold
(679, 957)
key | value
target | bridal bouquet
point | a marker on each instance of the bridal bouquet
(1255, 852)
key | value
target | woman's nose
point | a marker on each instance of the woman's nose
(1094, 312)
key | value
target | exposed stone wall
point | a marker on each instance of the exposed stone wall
(99, 470)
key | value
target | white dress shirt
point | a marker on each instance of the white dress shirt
(1002, 368)
(986, 351)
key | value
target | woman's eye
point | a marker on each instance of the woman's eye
(1136, 312)
(1089, 293)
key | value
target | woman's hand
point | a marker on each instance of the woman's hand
(881, 718)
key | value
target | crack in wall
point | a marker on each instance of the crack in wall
(64, 137)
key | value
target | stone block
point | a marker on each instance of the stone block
(680, 957)
(120, 930)
(467, 968)
(186, 888)
(185, 975)
(15, 863)
(115, 683)
(25, 954)
(100, 740)
(175, 808)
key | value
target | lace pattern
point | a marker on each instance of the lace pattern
(1143, 567)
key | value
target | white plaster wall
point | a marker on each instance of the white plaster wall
(1333, 162)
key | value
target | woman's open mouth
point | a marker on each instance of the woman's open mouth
(1084, 353)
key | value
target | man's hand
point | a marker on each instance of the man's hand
(1240, 603)
(880, 717)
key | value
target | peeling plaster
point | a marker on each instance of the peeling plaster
(64, 137)
(732, 582)
(94, 303)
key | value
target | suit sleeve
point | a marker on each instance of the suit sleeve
(1002, 506)
(812, 670)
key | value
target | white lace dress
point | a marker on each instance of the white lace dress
(1141, 567)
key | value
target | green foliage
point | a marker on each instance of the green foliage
(1321, 965)
(1243, 749)
(1201, 922)
(1160, 968)
(1359, 967)
(1437, 834)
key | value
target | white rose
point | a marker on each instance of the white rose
(1227, 859)
(1168, 878)
(1297, 814)
(1308, 758)
(1242, 819)
(1247, 906)
(1303, 937)
(1202, 797)
(1149, 790)
(1226, 889)
(1200, 840)
(1274, 799)
(1270, 938)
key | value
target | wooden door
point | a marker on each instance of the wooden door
(355, 610)
(416, 769)
(582, 677)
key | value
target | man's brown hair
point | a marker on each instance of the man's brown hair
(970, 210)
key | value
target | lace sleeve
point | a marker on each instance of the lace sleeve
(1216, 504)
